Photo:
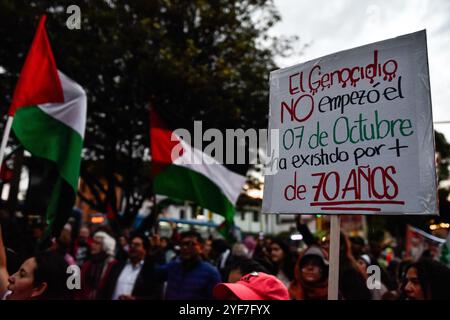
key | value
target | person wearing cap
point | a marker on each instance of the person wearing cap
(252, 286)
(311, 275)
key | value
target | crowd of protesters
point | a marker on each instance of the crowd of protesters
(130, 266)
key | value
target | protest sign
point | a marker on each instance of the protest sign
(355, 133)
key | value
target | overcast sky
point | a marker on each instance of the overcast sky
(330, 26)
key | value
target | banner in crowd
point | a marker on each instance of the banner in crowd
(419, 242)
(355, 133)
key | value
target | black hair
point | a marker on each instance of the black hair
(193, 234)
(357, 240)
(51, 268)
(145, 241)
(434, 278)
(219, 246)
(247, 265)
(289, 258)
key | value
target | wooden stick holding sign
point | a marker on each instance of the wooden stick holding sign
(333, 270)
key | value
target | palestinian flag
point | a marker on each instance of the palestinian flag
(186, 176)
(49, 111)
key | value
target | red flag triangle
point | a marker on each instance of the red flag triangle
(39, 81)
(161, 145)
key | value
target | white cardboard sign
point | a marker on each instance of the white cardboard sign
(355, 133)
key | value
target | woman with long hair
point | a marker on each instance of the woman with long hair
(283, 261)
(426, 280)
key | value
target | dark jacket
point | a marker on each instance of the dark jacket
(147, 285)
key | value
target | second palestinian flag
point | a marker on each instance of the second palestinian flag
(191, 174)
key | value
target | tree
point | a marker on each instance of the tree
(443, 160)
(191, 59)
(443, 152)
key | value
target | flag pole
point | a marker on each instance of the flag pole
(5, 138)
(333, 273)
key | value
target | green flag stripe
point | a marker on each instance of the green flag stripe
(48, 138)
(182, 183)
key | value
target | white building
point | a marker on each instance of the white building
(247, 219)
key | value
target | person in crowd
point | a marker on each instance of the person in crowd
(401, 270)
(283, 261)
(207, 251)
(239, 250)
(122, 248)
(15, 240)
(376, 251)
(35, 232)
(392, 271)
(189, 277)
(96, 269)
(352, 282)
(167, 248)
(221, 255)
(311, 275)
(358, 245)
(250, 244)
(82, 245)
(262, 253)
(302, 227)
(379, 290)
(242, 266)
(63, 243)
(157, 250)
(426, 279)
(252, 286)
(134, 278)
(41, 277)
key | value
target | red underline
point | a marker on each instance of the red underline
(333, 203)
(350, 208)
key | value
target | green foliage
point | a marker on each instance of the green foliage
(193, 60)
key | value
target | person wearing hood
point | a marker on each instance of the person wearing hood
(97, 268)
(311, 275)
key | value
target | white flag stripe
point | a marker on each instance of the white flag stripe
(229, 182)
(73, 111)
